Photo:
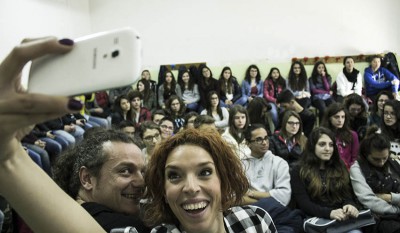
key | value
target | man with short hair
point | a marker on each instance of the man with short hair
(150, 133)
(287, 100)
(204, 122)
(141, 114)
(157, 116)
(104, 173)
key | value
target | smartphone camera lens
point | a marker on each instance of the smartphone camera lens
(115, 53)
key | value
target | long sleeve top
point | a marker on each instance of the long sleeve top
(321, 89)
(204, 89)
(348, 152)
(219, 123)
(379, 80)
(246, 88)
(345, 88)
(163, 96)
(269, 173)
(242, 150)
(297, 93)
(269, 90)
(191, 96)
(236, 91)
(368, 198)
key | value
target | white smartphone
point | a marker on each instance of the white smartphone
(99, 61)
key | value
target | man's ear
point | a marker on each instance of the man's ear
(85, 178)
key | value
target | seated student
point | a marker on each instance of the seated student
(258, 110)
(269, 180)
(65, 128)
(121, 110)
(139, 114)
(128, 127)
(336, 118)
(230, 91)
(289, 142)
(214, 109)
(157, 116)
(91, 120)
(274, 84)
(150, 133)
(358, 114)
(376, 113)
(190, 91)
(391, 126)
(376, 180)
(252, 86)
(203, 122)
(320, 86)
(320, 182)
(167, 127)
(149, 99)
(377, 78)
(104, 174)
(195, 182)
(234, 134)
(206, 84)
(189, 120)
(153, 84)
(175, 108)
(349, 80)
(297, 83)
(38, 146)
(287, 100)
(168, 89)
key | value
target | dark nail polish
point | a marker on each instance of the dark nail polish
(75, 104)
(66, 41)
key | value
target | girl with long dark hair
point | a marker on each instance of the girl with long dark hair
(274, 84)
(298, 83)
(214, 109)
(167, 89)
(252, 86)
(190, 91)
(230, 91)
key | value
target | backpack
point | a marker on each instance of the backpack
(389, 61)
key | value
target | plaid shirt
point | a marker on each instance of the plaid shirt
(249, 219)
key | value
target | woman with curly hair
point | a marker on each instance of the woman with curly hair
(201, 182)
(297, 82)
(320, 182)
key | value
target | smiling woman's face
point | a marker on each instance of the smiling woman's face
(193, 189)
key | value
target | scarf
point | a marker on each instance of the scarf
(351, 77)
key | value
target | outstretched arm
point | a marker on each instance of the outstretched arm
(27, 188)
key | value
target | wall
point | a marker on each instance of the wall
(265, 32)
(35, 18)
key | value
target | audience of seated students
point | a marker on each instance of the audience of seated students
(287, 101)
(234, 134)
(320, 182)
(206, 84)
(168, 89)
(376, 111)
(190, 91)
(269, 180)
(150, 133)
(336, 118)
(358, 114)
(258, 110)
(175, 108)
(204, 122)
(189, 120)
(54, 146)
(121, 110)
(153, 84)
(390, 126)
(157, 116)
(274, 84)
(297, 82)
(167, 127)
(320, 87)
(289, 142)
(252, 85)
(139, 114)
(377, 78)
(348, 81)
(90, 120)
(375, 178)
(214, 109)
(149, 99)
(230, 91)
(104, 174)
(114, 93)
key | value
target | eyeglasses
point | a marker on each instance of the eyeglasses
(292, 123)
(388, 114)
(151, 138)
(167, 127)
(260, 140)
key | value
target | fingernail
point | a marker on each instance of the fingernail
(74, 104)
(66, 41)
